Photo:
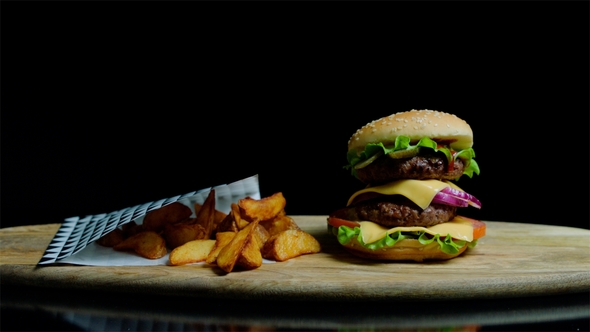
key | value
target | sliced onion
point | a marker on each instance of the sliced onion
(463, 195)
(368, 161)
(444, 198)
(454, 197)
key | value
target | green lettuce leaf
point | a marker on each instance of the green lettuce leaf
(403, 143)
(448, 245)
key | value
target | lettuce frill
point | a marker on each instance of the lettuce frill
(345, 234)
(403, 143)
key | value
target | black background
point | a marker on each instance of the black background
(107, 107)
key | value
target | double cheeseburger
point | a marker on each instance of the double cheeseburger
(409, 207)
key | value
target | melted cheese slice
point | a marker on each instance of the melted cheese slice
(457, 228)
(420, 192)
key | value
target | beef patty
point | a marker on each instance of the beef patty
(429, 165)
(393, 211)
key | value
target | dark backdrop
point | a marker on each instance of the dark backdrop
(99, 114)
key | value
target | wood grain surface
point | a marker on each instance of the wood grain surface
(512, 260)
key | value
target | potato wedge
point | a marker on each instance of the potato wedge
(147, 244)
(181, 233)
(206, 215)
(112, 238)
(278, 224)
(233, 222)
(261, 235)
(131, 228)
(221, 240)
(219, 215)
(289, 244)
(250, 256)
(169, 214)
(229, 255)
(237, 214)
(227, 225)
(191, 252)
(262, 209)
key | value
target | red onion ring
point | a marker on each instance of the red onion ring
(447, 196)
(447, 199)
(454, 197)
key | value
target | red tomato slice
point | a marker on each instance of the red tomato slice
(479, 228)
(337, 222)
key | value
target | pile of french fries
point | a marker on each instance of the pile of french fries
(254, 229)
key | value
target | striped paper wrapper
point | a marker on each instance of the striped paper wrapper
(78, 233)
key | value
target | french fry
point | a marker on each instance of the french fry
(183, 232)
(278, 224)
(112, 238)
(229, 255)
(289, 244)
(147, 244)
(171, 213)
(191, 252)
(221, 240)
(262, 209)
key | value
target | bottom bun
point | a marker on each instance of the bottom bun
(404, 250)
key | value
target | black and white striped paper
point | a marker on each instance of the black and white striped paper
(76, 233)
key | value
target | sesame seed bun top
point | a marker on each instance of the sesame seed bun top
(438, 126)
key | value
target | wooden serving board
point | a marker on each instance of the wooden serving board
(512, 260)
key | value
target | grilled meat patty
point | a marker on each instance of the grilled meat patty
(429, 165)
(393, 211)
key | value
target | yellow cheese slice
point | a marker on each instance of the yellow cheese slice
(457, 228)
(420, 192)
